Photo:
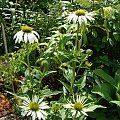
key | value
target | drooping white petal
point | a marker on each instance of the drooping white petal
(18, 37)
(15, 36)
(17, 40)
(35, 38)
(34, 32)
(80, 20)
(30, 38)
(75, 18)
(70, 17)
(25, 37)
(84, 19)
(89, 18)
(91, 14)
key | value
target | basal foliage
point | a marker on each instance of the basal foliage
(72, 72)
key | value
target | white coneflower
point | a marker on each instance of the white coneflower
(35, 108)
(26, 35)
(81, 16)
(78, 107)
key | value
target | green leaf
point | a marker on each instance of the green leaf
(95, 107)
(116, 102)
(68, 87)
(84, 38)
(104, 39)
(48, 72)
(48, 92)
(117, 95)
(105, 90)
(94, 33)
(98, 115)
(105, 76)
(68, 74)
(117, 76)
(116, 35)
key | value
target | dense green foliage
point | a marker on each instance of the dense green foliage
(70, 58)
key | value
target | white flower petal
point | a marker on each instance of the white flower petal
(24, 107)
(33, 115)
(44, 106)
(89, 18)
(73, 112)
(29, 113)
(84, 113)
(84, 19)
(78, 114)
(35, 98)
(70, 17)
(40, 100)
(35, 38)
(34, 32)
(40, 115)
(43, 112)
(25, 37)
(19, 36)
(87, 110)
(91, 14)
(80, 20)
(68, 105)
(32, 38)
(75, 18)
(15, 36)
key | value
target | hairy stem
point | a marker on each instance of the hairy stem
(77, 37)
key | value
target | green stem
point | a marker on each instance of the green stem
(28, 59)
(4, 39)
(93, 4)
(81, 64)
(77, 37)
(73, 77)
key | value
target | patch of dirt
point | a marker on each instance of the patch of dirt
(5, 106)
(9, 117)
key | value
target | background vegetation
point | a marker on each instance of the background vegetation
(57, 70)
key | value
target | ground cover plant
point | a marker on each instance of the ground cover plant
(60, 59)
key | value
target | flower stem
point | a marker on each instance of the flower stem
(28, 59)
(77, 37)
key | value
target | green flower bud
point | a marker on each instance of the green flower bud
(87, 63)
(108, 12)
(89, 51)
